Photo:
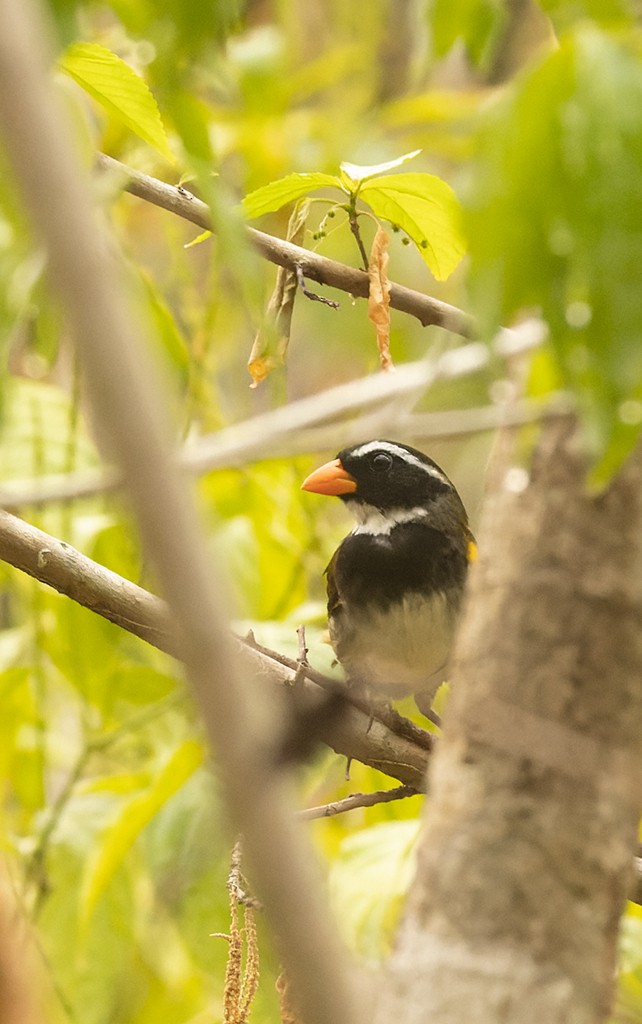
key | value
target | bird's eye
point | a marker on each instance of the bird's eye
(381, 462)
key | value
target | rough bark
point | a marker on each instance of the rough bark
(529, 838)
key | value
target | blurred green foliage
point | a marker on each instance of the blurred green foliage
(113, 835)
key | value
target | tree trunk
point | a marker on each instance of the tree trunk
(526, 856)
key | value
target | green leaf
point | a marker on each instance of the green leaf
(117, 87)
(565, 13)
(357, 173)
(272, 197)
(368, 882)
(555, 226)
(134, 815)
(477, 23)
(427, 209)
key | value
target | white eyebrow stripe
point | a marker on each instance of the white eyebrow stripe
(396, 449)
(375, 523)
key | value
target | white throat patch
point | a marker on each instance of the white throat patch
(375, 523)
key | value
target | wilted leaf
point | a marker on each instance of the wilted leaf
(272, 197)
(357, 173)
(427, 210)
(118, 89)
(379, 296)
(273, 337)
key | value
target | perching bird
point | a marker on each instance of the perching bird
(395, 584)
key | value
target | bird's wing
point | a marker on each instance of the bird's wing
(334, 597)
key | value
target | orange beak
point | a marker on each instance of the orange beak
(330, 479)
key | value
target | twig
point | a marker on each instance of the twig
(353, 221)
(302, 657)
(300, 280)
(349, 803)
(317, 268)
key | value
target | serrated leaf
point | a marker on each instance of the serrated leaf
(555, 223)
(272, 197)
(427, 210)
(358, 173)
(134, 815)
(117, 87)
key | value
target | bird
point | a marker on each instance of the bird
(395, 584)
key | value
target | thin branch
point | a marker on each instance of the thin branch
(303, 426)
(350, 803)
(317, 268)
(303, 288)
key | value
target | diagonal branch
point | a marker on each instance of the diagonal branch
(390, 743)
(427, 310)
(125, 399)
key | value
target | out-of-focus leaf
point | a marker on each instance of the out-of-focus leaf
(191, 120)
(357, 173)
(611, 13)
(436, 106)
(168, 332)
(134, 815)
(117, 87)
(379, 296)
(475, 22)
(368, 882)
(36, 432)
(273, 337)
(555, 222)
(427, 209)
(272, 197)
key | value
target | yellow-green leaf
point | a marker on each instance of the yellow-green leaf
(204, 235)
(272, 197)
(134, 815)
(117, 87)
(427, 210)
(368, 882)
(356, 173)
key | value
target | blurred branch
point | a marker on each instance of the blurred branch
(125, 400)
(317, 268)
(306, 426)
(391, 744)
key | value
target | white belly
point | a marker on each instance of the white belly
(399, 651)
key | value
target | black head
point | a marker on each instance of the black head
(390, 475)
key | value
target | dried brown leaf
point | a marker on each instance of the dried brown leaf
(379, 297)
(273, 336)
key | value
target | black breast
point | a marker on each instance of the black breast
(382, 569)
